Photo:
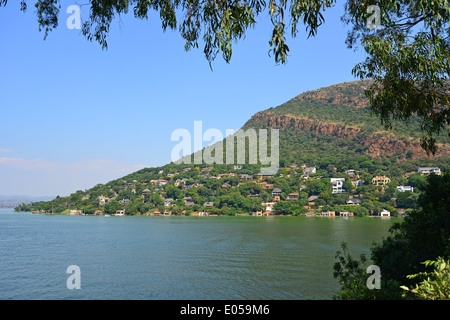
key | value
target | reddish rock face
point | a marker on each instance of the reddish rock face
(377, 144)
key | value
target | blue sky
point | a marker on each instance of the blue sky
(74, 115)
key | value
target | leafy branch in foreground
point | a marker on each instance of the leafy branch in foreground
(408, 56)
(436, 284)
(409, 59)
(218, 23)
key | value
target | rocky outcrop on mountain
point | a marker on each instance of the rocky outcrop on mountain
(304, 124)
(380, 144)
(376, 144)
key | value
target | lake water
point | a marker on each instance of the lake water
(177, 258)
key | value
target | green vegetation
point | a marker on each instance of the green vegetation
(185, 189)
(422, 236)
(420, 241)
(436, 285)
(231, 193)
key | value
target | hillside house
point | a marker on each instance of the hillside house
(168, 202)
(352, 201)
(276, 192)
(268, 205)
(102, 200)
(357, 183)
(405, 188)
(162, 182)
(337, 185)
(380, 181)
(292, 196)
(309, 170)
(265, 185)
(350, 172)
(426, 171)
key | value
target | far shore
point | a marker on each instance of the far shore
(307, 215)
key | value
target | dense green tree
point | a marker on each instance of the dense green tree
(173, 192)
(436, 284)
(424, 235)
(406, 200)
(408, 56)
(112, 207)
(352, 276)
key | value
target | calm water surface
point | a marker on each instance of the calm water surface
(271, 258)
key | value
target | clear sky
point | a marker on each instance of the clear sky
(73, 115)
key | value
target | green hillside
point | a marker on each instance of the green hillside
(329, 129)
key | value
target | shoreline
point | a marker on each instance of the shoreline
(211, 215)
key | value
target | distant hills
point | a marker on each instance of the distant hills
(15, 200)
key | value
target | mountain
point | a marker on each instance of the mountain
(336, 120)
(329, 129)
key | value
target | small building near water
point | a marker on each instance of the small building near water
(385, 213)
(328, 214)
(346, 214)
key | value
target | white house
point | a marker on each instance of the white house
(268, 205)
(337, 185)
(405, 188)
(429, 170)
(162, 182)
(385, 213)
